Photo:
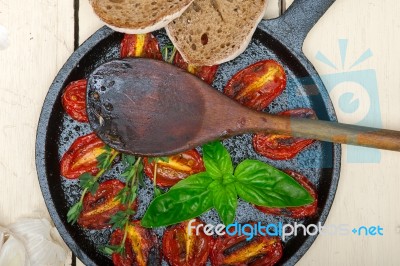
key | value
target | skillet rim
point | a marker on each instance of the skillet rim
(47, 110)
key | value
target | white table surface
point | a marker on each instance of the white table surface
(41, 36)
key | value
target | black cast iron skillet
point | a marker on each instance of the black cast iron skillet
(280, 39)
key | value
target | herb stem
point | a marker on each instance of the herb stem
(171, 58)
(89, 182)
(100, 173)
(125, 235)
(134, 174)
(155, 173)
(165, 53)
(135, 170)
(83, 194)
(133, 179)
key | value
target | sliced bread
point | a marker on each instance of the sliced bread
(138, 16)
(212, 32)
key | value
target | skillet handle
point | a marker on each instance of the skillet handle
(293, 26)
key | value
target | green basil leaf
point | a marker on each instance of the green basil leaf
(264, 185)
(217, 160)
(157, 192)
(225, 202)
(228, 179)
(197, 181)
(176, 206)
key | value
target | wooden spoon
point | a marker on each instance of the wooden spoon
(151, 108)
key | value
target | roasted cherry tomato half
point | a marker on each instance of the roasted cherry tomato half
(81, 157)
(206, 73)
(183, 249)
(74, 100)
(281, 147)
(140, 45)
(257, 85)
(98, 208)
(296, 212)
(237, 251)
(141, 246)
(177, 168)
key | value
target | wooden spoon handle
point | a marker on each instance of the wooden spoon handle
(330, 131)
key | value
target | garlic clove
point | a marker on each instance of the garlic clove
(27, 226)
(42, 244)
(2, 238)
(12, 252)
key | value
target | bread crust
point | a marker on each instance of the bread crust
(224, 45)
(119, 21)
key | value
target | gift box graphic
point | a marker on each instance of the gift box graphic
(356, 99)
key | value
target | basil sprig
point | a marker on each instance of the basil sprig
(220, 186)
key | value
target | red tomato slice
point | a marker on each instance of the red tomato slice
(177, 168)
(98, 208)
(281, 147)
(206, 73)
(140, 45)
(74, 100)
(182, 249)
(296, 212)
(141, 247)
(81, 157)
(257, 85)
(237, 251)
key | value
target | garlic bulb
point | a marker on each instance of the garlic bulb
(2, 237)
(42, 242)
(12, 250)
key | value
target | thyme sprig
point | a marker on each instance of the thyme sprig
(126, 196)
(90, 183)
(156, 160)
(168, 53)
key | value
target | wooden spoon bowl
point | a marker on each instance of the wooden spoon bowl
(152, 108)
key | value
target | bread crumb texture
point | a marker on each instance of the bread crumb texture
(215, 31)
(136, 14)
